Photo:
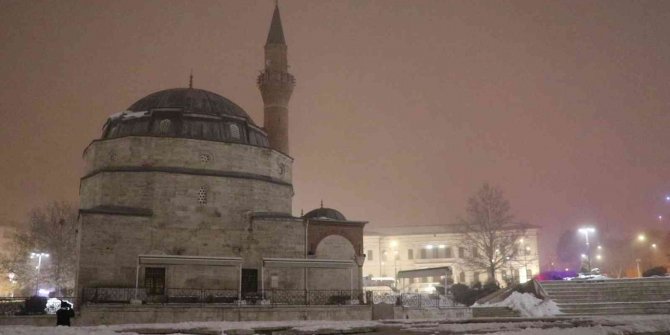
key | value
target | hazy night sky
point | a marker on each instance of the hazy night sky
(401, 110)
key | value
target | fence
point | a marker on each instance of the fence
(215, 296)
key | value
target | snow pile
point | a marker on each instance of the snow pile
(528, 305)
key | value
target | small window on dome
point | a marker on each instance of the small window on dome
(234, 131)
(164, 126)
(202, 195)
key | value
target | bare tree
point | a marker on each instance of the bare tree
(52, 230)
(490, 231)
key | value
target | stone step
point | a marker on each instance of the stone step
(561, 287)
(611, 297)
(597, 289)
(606, 283)
(658, 282)
(608, 299)
(615, 288)
(610, 310)
(610, 293)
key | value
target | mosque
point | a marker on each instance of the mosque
(184, 193)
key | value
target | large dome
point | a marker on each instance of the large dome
(186, 113)
(190, 100)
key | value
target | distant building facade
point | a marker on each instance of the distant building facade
(184, 191)
(393, 249)
(8, 282)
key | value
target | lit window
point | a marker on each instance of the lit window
(164, 126)
(234, 131)
(274, 281)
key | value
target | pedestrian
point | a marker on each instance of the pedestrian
(64, 313)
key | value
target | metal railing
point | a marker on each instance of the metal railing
(111, 294)
(313, 297)
(272, 297)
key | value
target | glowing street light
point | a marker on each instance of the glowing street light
(667, 198)
(599, 257)
(586, 231)
(641, 238)
(600, 247)
(653, 245)
(39, 256)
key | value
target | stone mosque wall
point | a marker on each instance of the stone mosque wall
(147, 151)
(180, 205)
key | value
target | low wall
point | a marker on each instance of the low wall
(444, 313)
(388, 312)
(121, 314)
(28, 320)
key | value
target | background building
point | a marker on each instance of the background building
(393, 249)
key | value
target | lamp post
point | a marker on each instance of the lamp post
(39, 256)
(12, 281)
(586, 232)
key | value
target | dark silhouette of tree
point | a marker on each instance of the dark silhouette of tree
(490, 232)
(52, 230)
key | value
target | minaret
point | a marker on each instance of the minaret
(276, 86)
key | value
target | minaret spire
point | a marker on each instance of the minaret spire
(190, 80)
(276, 33)
(276, 85)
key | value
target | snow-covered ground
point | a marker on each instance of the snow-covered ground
(527, 305)
(615, 325)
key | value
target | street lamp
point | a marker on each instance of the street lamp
(12, 281)
(39, 256)
(586, 232)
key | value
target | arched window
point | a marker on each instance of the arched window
(164, 126)
(234, 131)
(202, 195)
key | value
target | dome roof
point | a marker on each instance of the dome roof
(325, 213)
(190, 100)
(186, 113)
